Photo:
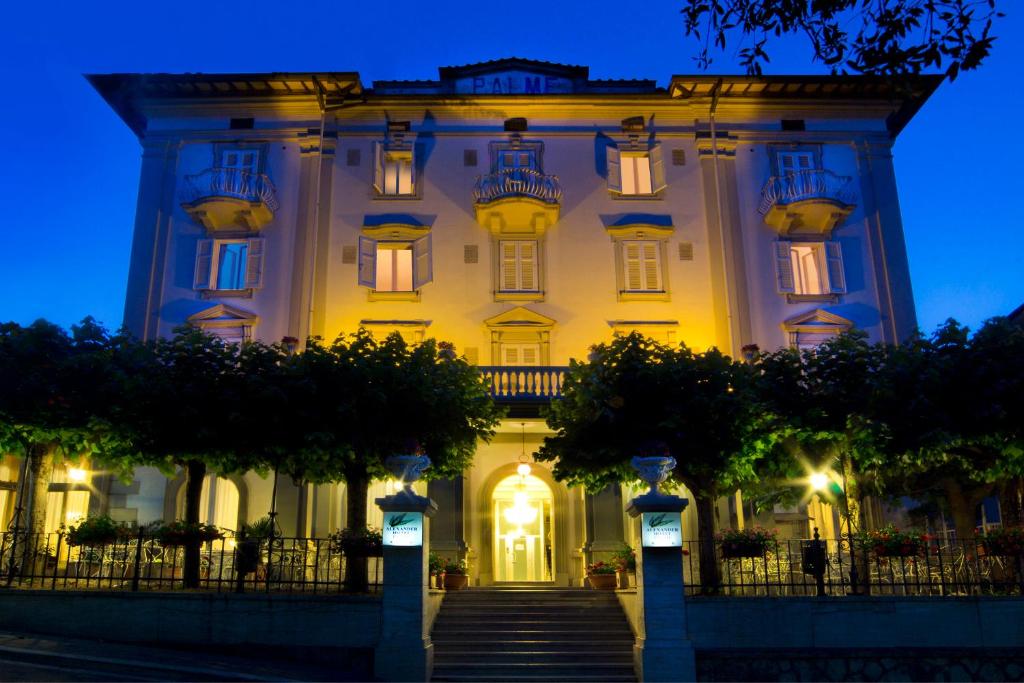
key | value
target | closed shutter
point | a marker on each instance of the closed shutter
(508, 266)
(204, 264)
(378, 167)
(836, 273)
(367, 262)
(254, 264)
(511, 354)
(784, 280)
(631, 262)
(657, 169)
(422, 266)
(614, 170)
(530, 355)
(412, 171)
(528, 266)
(652, 274)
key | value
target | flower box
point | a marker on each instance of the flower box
(737, 550)
(182, 534)
(752, 542)
(1004, 542)
(455, 582)
(602, 582)
(357, 543)
(889, 541)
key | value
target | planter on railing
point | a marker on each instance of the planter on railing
(511, 383)
(517, 183)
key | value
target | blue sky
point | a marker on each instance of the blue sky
(71, 174)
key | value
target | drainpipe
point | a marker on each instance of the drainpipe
(721, 225)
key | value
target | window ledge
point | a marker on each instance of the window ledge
(804, 298)
(636, 197)
(374, 295)
(226, 293)
(644, 296)
(396, 197)
(519, 296)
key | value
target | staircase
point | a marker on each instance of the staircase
(526, 632)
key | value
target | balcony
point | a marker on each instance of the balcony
(518, 200)
(807, 202)
(512, 384)
(229, 199)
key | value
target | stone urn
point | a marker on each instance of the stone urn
(407, 469)
(653, 470)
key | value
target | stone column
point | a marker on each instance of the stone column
(404, 651)
(663, 651)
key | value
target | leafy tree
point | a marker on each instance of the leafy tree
(50, 403)
(365, 400)
(635, 396)
(894, 38)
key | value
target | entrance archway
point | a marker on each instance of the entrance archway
(524, 532)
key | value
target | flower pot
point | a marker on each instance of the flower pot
(602, 582)
(455, 582)
(622, 578)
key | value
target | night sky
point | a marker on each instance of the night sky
(70, 179)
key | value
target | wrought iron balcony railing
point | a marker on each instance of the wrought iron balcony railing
(804, 185)
(512, 383)
(230, 182)
(517, 183)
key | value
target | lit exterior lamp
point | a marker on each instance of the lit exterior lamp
(77, 474)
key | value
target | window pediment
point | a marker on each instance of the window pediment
(814, 327)
(638, 226)
(222, 314)
(522, 318)
(396, 226)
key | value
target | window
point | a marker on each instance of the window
(395, 266)
(240, 159)
(218, 503)
(792, 162)
(518, 266)
(229, 265)
(517, 160)
(641, 266)
(67, 501)
(809, 269)
(527, 355)
(636, 172)
(394, 171)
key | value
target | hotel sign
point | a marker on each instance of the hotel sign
(404, 529)
(513, 83)
(661, 530)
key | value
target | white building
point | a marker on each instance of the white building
(522, 211)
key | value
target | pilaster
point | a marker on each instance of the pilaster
(448, 527)
(605, 531)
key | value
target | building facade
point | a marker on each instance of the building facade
(524, 212)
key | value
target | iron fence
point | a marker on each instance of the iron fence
(788, 568)
(140, 562)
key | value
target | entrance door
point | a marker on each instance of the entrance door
(523, 530)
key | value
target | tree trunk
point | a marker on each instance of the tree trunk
(40, 469)
(195, 472)
(851, 512)
(356, 569)
(1011, 503)
(710, 575)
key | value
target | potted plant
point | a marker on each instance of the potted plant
(182, 533)
(251, 538)
(753, 542)
(889, 541)
(625, 564)
(366, 542)
(1002, 541)
(97, 531)
(436, 565)
(601, 575)
(455, 577)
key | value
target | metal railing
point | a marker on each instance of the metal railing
(802, 185)
(517, 182)
(230, 182)
(140, 563)
(939, 568)
(511, 383)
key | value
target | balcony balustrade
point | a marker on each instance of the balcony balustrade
(518, 200)
(807, 202)
(229, 199)
(527, 384)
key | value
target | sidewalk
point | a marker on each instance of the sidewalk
(117, 661)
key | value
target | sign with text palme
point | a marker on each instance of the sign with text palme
(662, 530)
(403, 529)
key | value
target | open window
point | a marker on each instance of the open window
(395, 266)
(809, 270)
(394, 170)
(227, 266)
(636, 170)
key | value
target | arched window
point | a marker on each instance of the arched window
(218, 503)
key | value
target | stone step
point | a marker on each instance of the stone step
(533, 634)
(443, 643)
(506, 621)
(587, 657)
(538, 678)
(514, 671)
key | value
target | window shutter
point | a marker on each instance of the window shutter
(254, 264)
(511, 355)
(507, 275)
(378, 167)
(631, 258)
(657, 169)
(836, 272)
(614, 170)
(367, 262)
(204, 264)
(528, 266)
(652, 276)
(529, 355)
(422, 267)
(412, 170)
(784, 268)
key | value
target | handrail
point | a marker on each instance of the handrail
(517, 182)
(801, 185)
(230, 182)
(526, 383)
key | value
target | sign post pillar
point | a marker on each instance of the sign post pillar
(404, 651)
(663, 651)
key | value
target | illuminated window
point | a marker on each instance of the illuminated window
(395, 266)
(809, 268)
(636, 172)
(67, 502)
(517, 271)
(218, 503)
(394, 269)
(229, 265)
(641, 266)
(394, 171)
